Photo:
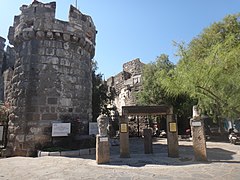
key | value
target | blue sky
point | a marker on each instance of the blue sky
(129, 29)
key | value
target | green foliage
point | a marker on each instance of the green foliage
(154, 92)
(100, 96)
(209, 68)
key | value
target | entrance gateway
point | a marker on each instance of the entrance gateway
(172, 130)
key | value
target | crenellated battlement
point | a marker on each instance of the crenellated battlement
(38, 21)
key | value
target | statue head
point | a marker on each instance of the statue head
(102, 121)
(196, 111)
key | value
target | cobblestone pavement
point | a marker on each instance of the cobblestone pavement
(223, 163)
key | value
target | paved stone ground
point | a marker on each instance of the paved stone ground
(224, 163)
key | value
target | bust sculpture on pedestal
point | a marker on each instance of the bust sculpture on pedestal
(196, 112)
(102, 143)
(102, 121)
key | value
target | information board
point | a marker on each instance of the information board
(61, 129)
(173, 127)
(124, 128)
(103, 139)
(1, 133)
(93, 128)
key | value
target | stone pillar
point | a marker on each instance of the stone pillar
(148, 148)
(172, 135)
(102, 141)
(198, 136)
(124, 137)
(102, 149)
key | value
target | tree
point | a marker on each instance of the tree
(154, 92)
(209, 68)
(100, 96)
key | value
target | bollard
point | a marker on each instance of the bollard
(148, 147)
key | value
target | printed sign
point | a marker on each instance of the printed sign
(172, 127)
(61, 129)
(196, 123)
(124, 128)
(103, 139)
(1, 133)
(93, 128)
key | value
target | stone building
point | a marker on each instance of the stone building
(51, 79)
(7, 60)
(126, 84)
(2, 53)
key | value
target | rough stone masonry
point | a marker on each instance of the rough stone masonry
(52, 74)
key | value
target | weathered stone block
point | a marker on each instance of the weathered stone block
(66, 37)
(66, 102)
(32, 109)
(66, 45)
(29, 138)
(52, 100)
(50, 51)
(49, 35)
(36, 117)
(20, 138)
(53, 109)
(40, 34)
(63, 53)
(49, 116)
(35, 130)
(65, 62)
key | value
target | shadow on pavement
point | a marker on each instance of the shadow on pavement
(160, 155)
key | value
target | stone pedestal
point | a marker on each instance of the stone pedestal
(172, 135)
(148, 148)
(124, 138)
(198, 138)
(102, 149)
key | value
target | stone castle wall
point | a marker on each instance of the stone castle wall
(2, 53)
(126, 84)
(52, 74)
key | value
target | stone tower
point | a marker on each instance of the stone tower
(52, 74)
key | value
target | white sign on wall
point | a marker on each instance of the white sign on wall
(1, 133)
(61, 129)
(93, 128)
